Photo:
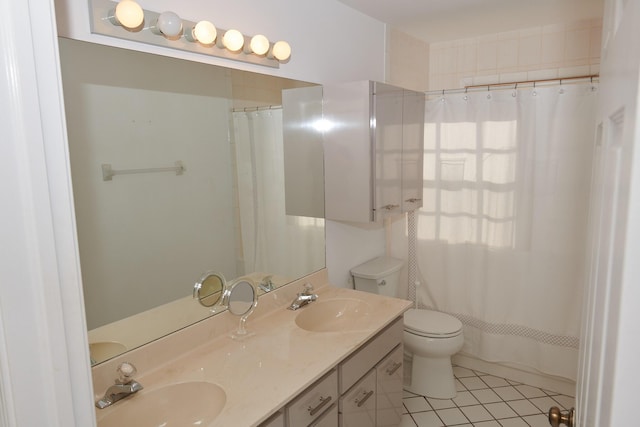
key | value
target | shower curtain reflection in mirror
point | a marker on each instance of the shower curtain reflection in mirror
(270, 241)
(503, 227)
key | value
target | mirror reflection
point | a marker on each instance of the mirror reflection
(147, 234)
(208, 289)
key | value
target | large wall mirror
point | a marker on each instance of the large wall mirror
(177, 169)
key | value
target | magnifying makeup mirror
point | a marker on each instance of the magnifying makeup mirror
(208, 289)
(241, 298)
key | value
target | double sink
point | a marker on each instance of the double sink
(198, 403)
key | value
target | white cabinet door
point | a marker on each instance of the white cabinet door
(389, 389)
(412, 150)
(388, 131)
(373, 148)
(358, 405)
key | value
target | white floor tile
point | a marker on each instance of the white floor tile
(566, 402)
(473, 383)
(530, 392)
(416, 404)
(487, 424)
(427, 419)
(407, 421)
(486, 396)
(460, 372)
(508, 393)
(543, 403)
(465, 398)
(493, 382)
(476, 413)
(441, 403)
(513, 422)
(483, 401)
(500, 410)
(523, 407)
(451, 416)
(537, 420)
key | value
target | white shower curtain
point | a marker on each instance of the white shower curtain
(271, 241)
(502, 232)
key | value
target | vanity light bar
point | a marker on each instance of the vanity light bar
(173, 32)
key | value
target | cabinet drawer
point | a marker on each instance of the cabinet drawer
(314, 401)
(358, 405)
(328, 419)
(358, 364)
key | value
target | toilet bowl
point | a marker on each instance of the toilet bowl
(430, 337)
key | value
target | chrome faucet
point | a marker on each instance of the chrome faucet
(266, 284)
(124, 386)
(305, 297)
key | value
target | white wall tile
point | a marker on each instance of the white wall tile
(553, 48)
(577, 44)
(546, 52)
(507, 54)
(529, 51)
(487, 54)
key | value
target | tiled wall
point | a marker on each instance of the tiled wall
(553, 51)
(407, 61)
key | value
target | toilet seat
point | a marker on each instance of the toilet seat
(431, 324)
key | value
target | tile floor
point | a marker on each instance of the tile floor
(484, 401)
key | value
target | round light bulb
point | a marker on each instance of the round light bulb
(129, 14)
(233, 40)
(281, 51)
(205, 32)
(259, 44)
(169, 24)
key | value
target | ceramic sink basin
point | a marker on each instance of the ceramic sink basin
(104, 350)
(176, 405)
(335, 315)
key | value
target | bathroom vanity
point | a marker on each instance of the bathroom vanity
(336, 361)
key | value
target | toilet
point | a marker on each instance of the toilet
(430, 337)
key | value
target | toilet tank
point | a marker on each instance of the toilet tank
(379, 276)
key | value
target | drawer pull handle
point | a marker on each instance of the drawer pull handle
(392, 370)
(366, 397)
(390, 207)
(322, 404)
(413, 200)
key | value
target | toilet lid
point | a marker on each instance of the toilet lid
(431, 323)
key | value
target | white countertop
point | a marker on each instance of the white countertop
(263, 372)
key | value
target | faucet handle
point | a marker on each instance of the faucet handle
(126, 371)
(308, 288)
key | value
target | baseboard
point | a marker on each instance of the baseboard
(519, 374)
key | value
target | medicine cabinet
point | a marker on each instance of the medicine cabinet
(373, 150)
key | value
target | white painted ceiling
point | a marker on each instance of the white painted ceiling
(437, 20)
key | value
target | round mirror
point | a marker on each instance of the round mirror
(241, 297)
(208, 288)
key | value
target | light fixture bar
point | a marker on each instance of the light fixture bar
(101, 24)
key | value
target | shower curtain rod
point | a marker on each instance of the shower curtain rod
(515, 85)
(258, 108)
